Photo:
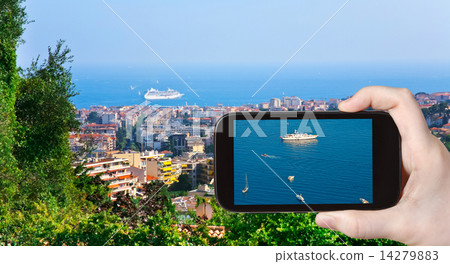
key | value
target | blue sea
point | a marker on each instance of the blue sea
(333, 169)
(235, 85)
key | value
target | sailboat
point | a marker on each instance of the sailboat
(245, 190)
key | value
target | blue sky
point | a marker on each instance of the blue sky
(240, 32)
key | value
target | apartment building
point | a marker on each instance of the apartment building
(109, 129)
(164, 169)
(139, 159)
(205, 171)
(195, 144)
(190, 168)
(99, 141)
(116, 173)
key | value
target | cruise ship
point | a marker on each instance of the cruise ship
(299, 136)
(154, 94)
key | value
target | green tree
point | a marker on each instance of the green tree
(183, 184)
(46, 115)
(93, 117)
(121, 141)
(92, 189)
(134, 146)
(209, 148)
(12, 20)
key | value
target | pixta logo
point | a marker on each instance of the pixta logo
(253, 121)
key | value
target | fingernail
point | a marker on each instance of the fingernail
(326, 221)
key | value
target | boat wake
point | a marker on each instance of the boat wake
(270, 156)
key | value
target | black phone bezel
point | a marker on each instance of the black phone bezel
(386, 153)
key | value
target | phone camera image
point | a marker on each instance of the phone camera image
(300, 166)
(305, 161)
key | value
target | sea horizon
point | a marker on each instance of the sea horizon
(235, 86)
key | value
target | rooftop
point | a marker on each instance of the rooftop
(101, 125)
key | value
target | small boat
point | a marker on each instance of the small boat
(245, 190)
(364, 201)
(291, 178)
(264, 155)
(300, 197)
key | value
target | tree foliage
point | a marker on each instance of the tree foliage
(209, 148)
(93, 117)
(121, 136)
(12, 20)
(45, 116)
(183, 184)
(437, 109)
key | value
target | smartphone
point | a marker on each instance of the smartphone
(306, 161)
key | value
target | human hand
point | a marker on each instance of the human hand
(422, 215)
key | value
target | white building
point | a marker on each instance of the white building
(109, 118)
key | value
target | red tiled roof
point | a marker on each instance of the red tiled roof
(83, 136)
(101, 125)
(441, 93)
(151, 178)
(102, 160)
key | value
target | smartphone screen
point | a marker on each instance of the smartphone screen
(329, 166)
(306, 161)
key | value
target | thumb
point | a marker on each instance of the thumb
(362, 224)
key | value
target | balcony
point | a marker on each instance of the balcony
(124, 181)
(121, 189)
(114, 175)
(103, 169)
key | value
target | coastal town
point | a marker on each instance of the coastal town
(134, 145)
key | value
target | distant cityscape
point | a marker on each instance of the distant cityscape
(133, 145)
